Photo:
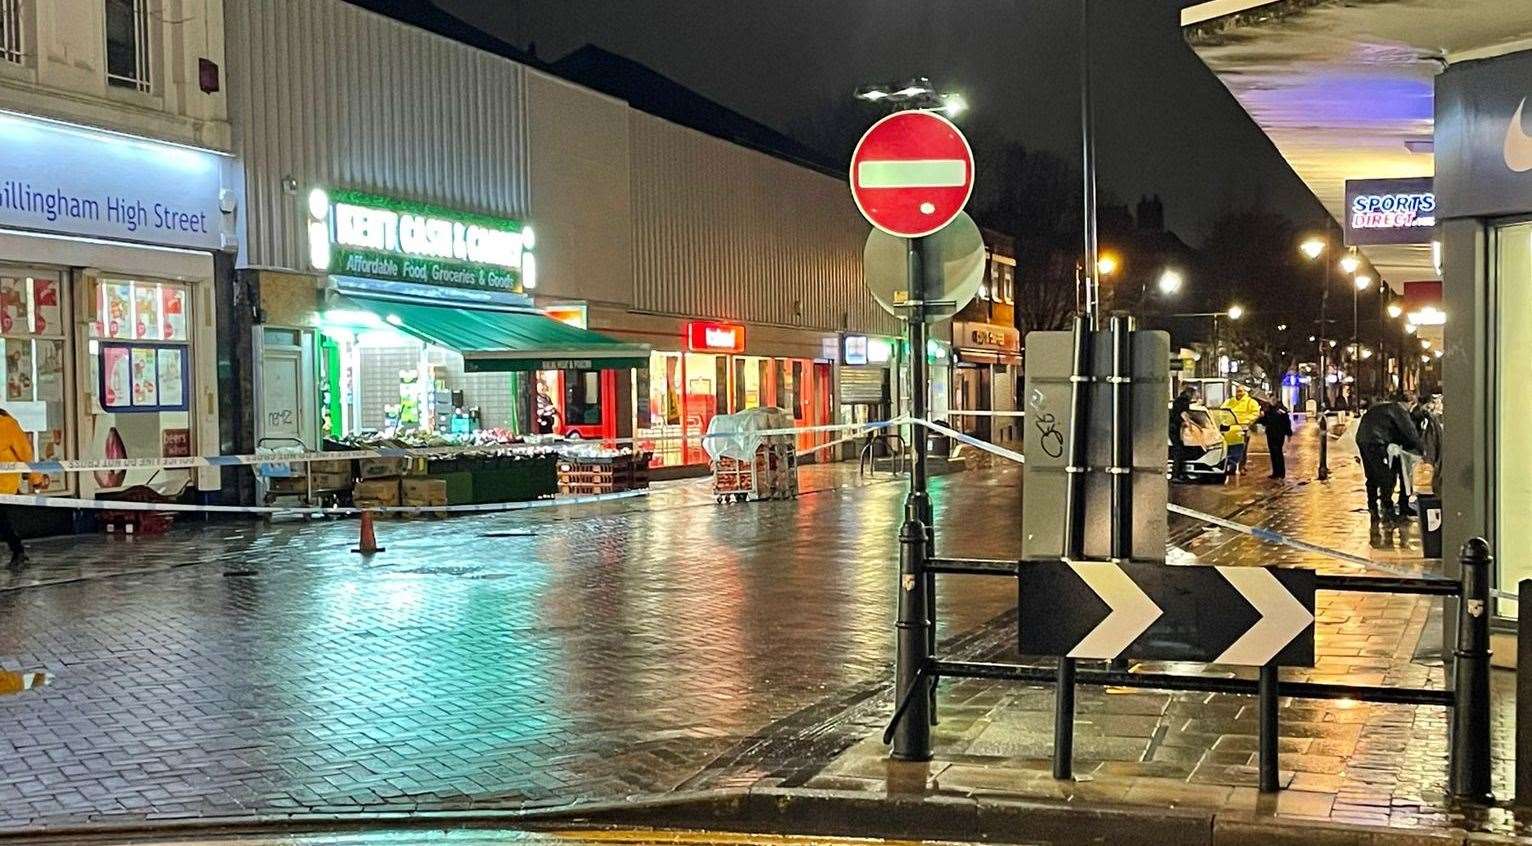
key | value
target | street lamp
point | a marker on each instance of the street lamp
(1236, 312)
(1349, 263)
(1395, 310)
(1106, 265)
(1171, 281)
(1313, 248)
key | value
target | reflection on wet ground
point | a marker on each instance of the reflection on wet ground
(13, 682)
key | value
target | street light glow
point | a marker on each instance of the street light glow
(1236, 312)
(1313, 248)
(1363, 282)
(953, 104)
(1333, 343)
(1409, 328)
(1394, 310)
(1170, 282)
(1106, 265)
(1349, 263)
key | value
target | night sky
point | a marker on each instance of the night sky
(1165, 123)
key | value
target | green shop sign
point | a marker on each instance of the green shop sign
(357, 234)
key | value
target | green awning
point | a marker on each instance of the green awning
(496, 341)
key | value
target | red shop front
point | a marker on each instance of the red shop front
(714, 373)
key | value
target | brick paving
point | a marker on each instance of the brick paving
(601, 651)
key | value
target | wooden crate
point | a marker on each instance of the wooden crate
(376, 493)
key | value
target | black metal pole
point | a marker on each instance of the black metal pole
(931, 273)
(1092, 261)
(912, 735)
(1122, 438)
(1267, 732)
(1524, 700)
(1324, 380)
(1064, 720)
(1468, 775)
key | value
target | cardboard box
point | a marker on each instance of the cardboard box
(376, 493)
(422, 491)
(331, 466)
(331, 481)
(380, 468)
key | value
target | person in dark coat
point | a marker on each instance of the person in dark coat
(1385, 423)
(1179, 408)
(1278, 422)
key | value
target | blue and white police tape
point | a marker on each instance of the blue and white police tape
(192, 508)
(259, 459)
(1007, 454)
(1273, 537)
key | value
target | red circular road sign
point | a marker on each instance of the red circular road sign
(912, 173)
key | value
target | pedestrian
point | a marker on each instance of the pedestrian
(1278, 422)
(546, 413)
(1180, 421)
(1386, 424)
(15, 445)
(1245, 410)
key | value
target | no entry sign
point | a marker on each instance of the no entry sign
(912, 173)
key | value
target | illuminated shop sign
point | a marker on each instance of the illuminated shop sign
(76, 181)
(860, 349)
(374, 237)
(1389, 211)
(706, 336)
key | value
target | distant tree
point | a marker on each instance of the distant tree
(1250, 258)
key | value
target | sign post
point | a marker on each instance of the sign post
(911, 175)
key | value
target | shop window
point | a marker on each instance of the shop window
(127, 44)
(793, 402)
(721, 385)
(32, 325)
(1512, 404)
(10, 32)
(140, 358)
(582, 398)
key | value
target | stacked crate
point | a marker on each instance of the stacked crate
(380, 481)
(585, 475)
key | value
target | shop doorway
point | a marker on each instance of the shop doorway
(286, 413)
(577, 403)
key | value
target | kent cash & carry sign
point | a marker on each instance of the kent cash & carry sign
(356, 234)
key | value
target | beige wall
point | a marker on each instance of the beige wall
(63, 75)
(581, 191)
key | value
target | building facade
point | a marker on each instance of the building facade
(117, 230)
(692, 276)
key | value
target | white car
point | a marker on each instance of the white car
(1203, 462)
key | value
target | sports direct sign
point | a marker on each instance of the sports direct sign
(912, 173)
(1389, 211)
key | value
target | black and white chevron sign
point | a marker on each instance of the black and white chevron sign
(1247, 616)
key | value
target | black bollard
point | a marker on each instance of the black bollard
(1468, 775)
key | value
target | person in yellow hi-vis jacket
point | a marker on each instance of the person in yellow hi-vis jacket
(15, 445)
(1246, 411)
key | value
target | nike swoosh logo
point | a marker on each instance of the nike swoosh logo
(1518, 145)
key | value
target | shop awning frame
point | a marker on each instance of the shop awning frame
(494, 340)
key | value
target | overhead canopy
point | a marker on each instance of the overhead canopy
(498, 341)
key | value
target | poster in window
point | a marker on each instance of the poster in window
(146, 311)
(173, 312)
(14, 317)
(176, 443)
(50, 370)
(116, 308)
(45, 307)
(172, 380)
(145, 378)
(116, 377)
(18, 369)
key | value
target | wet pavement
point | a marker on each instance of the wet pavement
(593, 652)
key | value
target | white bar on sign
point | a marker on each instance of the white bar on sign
(914, 173)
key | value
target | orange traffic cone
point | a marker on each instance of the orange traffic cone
(367, 544)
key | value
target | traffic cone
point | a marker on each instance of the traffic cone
(367, 544)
